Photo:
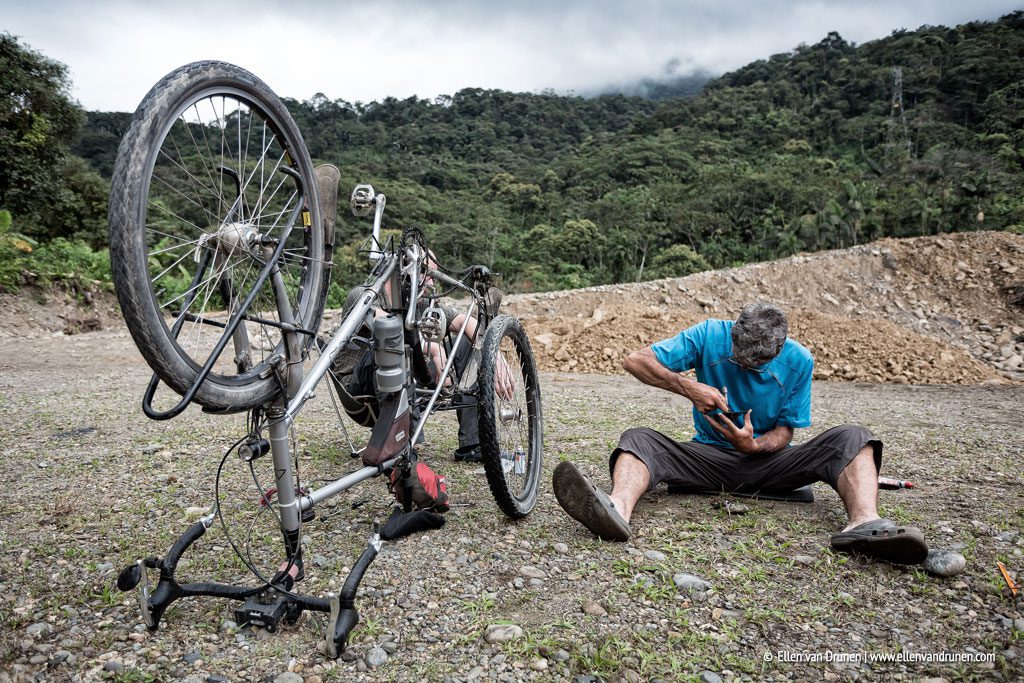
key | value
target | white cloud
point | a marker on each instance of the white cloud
(361, 52)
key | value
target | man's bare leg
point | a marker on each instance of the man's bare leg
(858, 488)
(629, 481)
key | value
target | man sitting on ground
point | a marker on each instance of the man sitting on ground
(753, 388)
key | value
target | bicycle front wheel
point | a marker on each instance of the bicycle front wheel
(212, 176)
(511, 433)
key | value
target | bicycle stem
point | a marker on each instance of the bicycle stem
(414, 287)
(378, 253)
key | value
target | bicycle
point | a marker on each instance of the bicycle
(222, 233)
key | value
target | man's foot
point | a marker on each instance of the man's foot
(468, 454)
(883, 540)
(587, 504)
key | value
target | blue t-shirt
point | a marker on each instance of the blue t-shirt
(778, 393)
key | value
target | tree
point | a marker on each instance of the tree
(38, 121)
(802, 151)
(678, 260)
(80, 209)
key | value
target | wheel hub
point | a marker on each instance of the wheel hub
(509, 415)
(232, 237)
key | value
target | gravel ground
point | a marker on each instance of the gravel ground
(92, 485)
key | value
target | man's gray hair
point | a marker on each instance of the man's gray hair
(758, 334)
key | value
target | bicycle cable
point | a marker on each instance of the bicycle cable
(220, 512)
(246, 560)
(331, 391)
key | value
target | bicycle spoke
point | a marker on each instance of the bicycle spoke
(514, 444)
(193, 179)
(173, 215)
(170, 267)
(261, 202)
(186, 198)
(206, 142)
(191, 244)
(220, 128)
(210, 286)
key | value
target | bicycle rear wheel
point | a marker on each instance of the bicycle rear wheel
(511, 431)
(212, 175)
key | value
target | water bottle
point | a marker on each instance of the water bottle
(389, 353)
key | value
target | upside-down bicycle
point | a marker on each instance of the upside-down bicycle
(222, 234)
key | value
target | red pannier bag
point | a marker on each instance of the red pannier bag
(429, 491)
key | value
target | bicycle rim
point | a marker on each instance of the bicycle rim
(222, 186)
(511, 439)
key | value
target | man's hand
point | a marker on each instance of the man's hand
(741, 438)
(439, 359)
(772, 441)
(644, 365)
(504, 383)
(706, 398)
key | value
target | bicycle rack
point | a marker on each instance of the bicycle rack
(269, 606)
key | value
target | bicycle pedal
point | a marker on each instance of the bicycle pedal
(265, 614)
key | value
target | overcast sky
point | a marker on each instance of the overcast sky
(116, 50)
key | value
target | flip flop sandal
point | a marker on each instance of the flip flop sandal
(882, 539)
(587, 504)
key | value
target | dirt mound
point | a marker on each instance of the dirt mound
(880, 351)
(945, 309)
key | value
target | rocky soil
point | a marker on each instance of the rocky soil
(704, 591)
(709, 588)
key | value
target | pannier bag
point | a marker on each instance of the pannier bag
(429, 491)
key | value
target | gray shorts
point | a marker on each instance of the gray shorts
(694, 466)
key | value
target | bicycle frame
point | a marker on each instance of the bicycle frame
(291, 505)
(267, 604)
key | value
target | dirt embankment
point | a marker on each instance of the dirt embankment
(930, 310)
(35, 312)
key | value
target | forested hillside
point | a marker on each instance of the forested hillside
(829, 145)
(806, 150)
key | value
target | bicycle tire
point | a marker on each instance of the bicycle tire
(511, 428)
(212, 167)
